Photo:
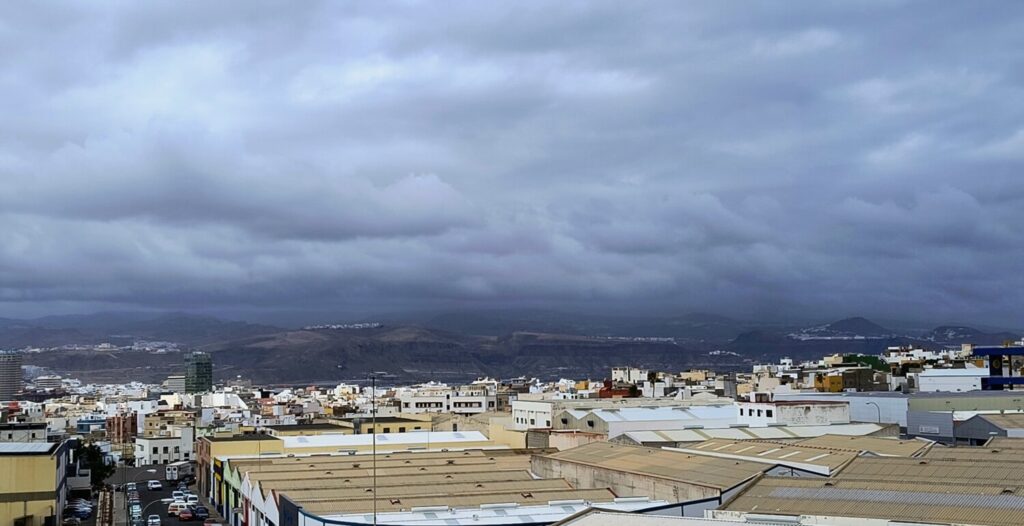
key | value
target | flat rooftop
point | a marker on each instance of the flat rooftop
(242, 438)
(309, 427)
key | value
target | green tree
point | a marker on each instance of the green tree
(91, 457)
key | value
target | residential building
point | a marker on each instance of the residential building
(23, 432)
(444, 399)
(175, 447)
(175, 383)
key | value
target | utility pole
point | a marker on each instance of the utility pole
(373, 416)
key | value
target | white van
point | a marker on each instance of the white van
(174, 507)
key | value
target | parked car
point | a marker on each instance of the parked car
(192, 499)
(178, 495)
(185, 515)
(211, 522)
(71, 521)
(200, 512)
(175, 507)
(154, 485)
(153, 520)
(131, 486)
(78, 513)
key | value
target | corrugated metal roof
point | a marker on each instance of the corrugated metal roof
(897, 500)
(681, 467)
(875, 445)
(1006, 420)
(511, 514)
(750, 433)
(796, 455)
(26, 448)
(343, 506)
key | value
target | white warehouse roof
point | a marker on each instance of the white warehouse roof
(383, 440)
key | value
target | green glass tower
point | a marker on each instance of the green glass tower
(198, 373)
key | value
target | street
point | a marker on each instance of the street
(149, 499)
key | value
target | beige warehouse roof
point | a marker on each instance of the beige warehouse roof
(331, 481)
(775, 452)
(327, 507)
(428, 490)
(367, 471)
(681, 467)
(1006, 421)
(984, 455)
(1005, 443)
(889, 447)
(934, 471)
(893, 500)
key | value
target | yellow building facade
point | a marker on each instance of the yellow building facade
(32, 483)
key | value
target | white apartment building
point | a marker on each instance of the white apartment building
(444, 399)
(629, 375)
(793, 413)
(174, 447)
(951, 380)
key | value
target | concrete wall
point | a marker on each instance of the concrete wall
(932, 425)
(863, 406)
(622, 483)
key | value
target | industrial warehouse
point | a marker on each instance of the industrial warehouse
(825, 480)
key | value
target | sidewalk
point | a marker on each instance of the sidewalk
(120, 518)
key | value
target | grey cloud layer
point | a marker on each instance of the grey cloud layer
(813, 158)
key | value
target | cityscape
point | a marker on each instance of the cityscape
(532, 263)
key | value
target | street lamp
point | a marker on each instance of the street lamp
(878, 409)
(160, 501)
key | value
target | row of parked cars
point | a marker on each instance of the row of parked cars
(77, 510)
(186, 507)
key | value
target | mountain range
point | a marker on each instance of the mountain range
(454, 346)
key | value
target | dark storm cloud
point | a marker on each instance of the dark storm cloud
(812, 158)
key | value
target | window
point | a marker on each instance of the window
(533, 421)
(741, 411)
(165, 449)
(156, 450)
(547, 423)
(565, 421)
(177, 449)
(590, 423)
(768, 413)
(401, 430)
(387, 429)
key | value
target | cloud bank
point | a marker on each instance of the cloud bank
(758, 159)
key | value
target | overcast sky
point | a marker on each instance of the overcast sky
(755, 159)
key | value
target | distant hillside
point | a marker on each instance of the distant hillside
(962, 334)
(844, 329)
(123, 328)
